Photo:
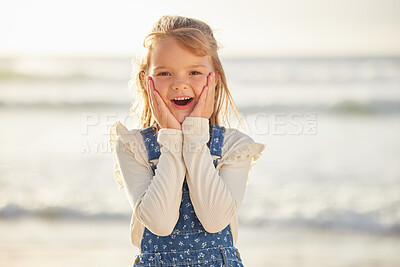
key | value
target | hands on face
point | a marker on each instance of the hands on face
(161, 113)
(163, 116)
(205, 105)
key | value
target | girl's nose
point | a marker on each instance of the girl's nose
(180, 83)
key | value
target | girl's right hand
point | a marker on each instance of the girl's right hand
(161, 113)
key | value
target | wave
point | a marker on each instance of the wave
(16, 211)
(350, 220)
(62, 104)
(341, 107)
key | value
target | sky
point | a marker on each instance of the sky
(243, 28)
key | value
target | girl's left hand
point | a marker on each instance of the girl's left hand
(205, 106)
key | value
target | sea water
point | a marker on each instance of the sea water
(331, 127)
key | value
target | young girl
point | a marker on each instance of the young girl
(183, 172)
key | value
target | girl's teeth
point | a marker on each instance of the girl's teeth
(182, 98)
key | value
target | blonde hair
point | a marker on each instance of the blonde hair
(196, 37)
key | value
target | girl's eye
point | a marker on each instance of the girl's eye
(163, 74)
(168, 74)
(195, 72)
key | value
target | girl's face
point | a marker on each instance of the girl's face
(178, 74)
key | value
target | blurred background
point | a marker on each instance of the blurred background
(317, 82)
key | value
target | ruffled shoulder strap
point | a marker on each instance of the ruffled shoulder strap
(130, 139)
(238, 145)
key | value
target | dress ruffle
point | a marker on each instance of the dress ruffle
(119, 132)
(243, 151)
(240, 146)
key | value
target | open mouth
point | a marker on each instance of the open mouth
(182, 102)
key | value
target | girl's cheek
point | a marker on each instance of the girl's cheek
(199, 81)
(159, 84)
(202, 82)
(200, 78)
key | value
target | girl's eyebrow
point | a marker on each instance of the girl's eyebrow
(188, 67)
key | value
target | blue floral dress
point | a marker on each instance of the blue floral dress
(189, 244)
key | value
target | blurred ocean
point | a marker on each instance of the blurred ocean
(331, 128)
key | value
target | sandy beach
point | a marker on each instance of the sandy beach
(62, 243)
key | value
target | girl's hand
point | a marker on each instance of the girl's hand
(205, 106)
(161, 112)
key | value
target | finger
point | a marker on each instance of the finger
(157, 98)
(211, 78)
(200, 103)
(208, 85)
(156, 95)
(211, 85)
(149, 93)
(155, 105)
(151, 89)
(211, 95)
(203, 96)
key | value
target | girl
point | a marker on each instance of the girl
(183, 172)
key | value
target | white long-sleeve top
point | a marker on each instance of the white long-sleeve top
(216, 192)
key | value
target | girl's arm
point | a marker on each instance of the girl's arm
(216, 195)
(156, 199)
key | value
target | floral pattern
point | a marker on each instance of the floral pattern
(189, 243)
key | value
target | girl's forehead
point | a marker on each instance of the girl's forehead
(166, 44)
(169, 52)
